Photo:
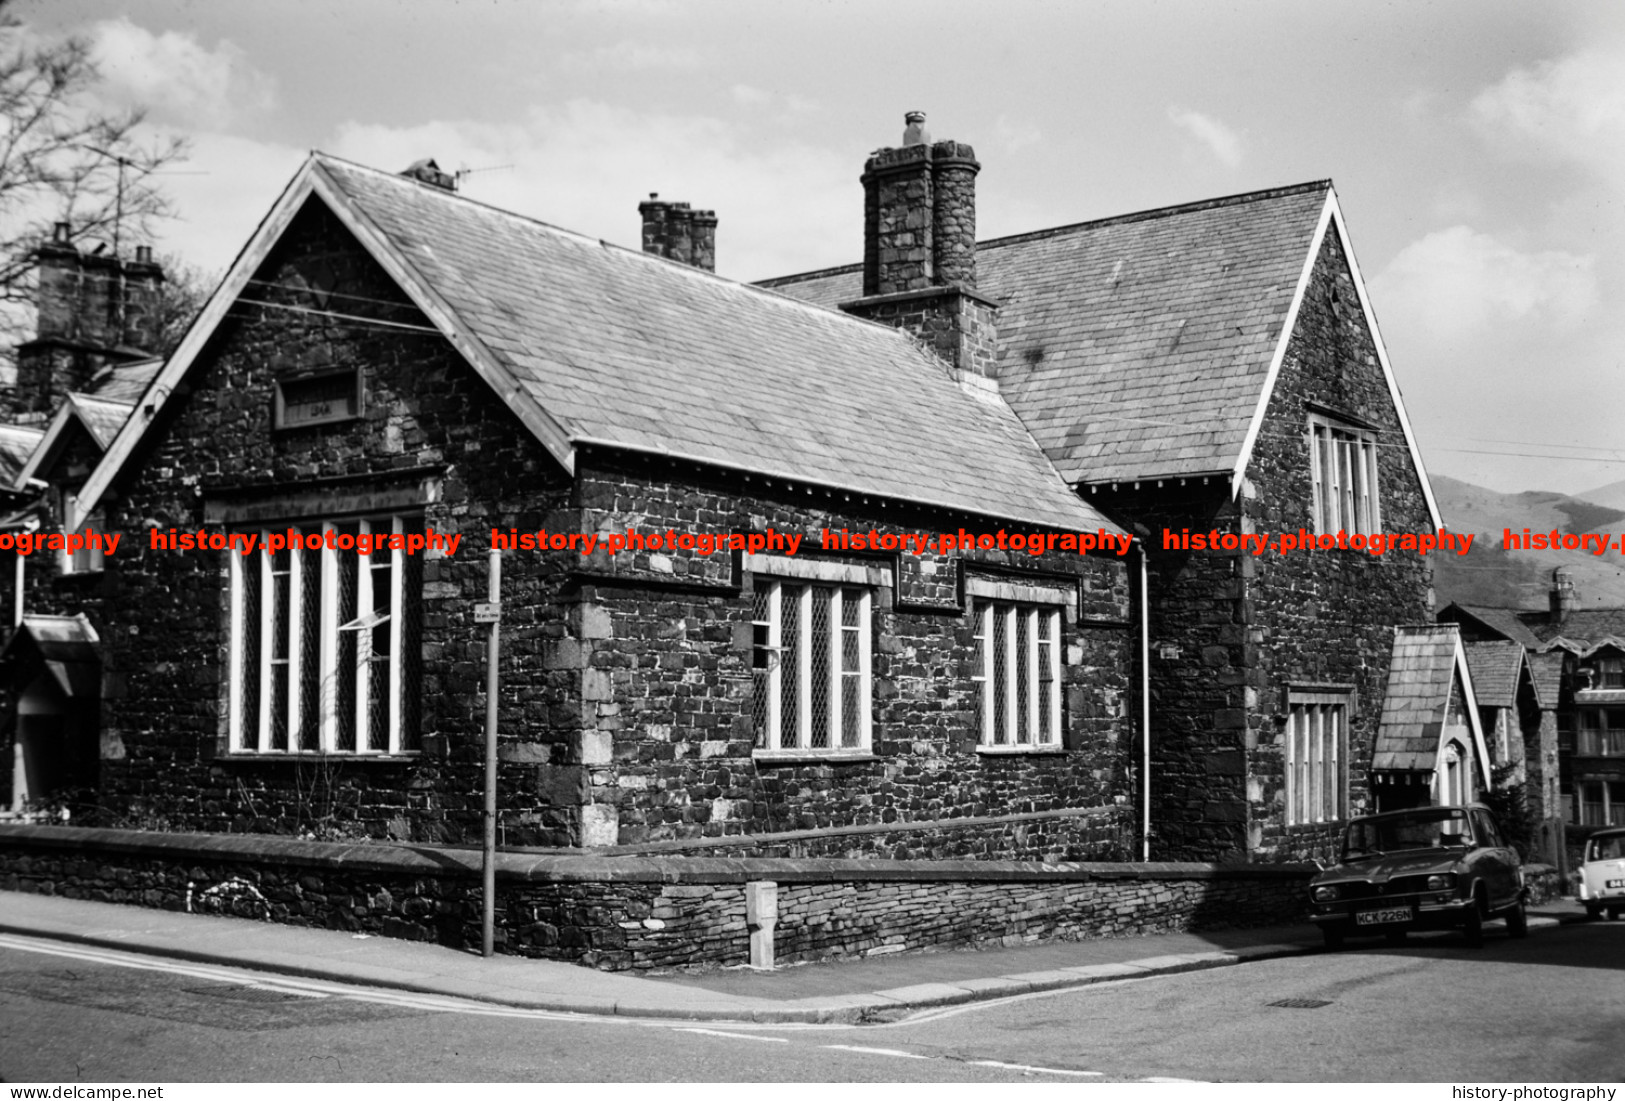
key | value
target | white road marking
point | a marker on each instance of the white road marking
(875, 1051)
(735, 1035)
(1036, 1070)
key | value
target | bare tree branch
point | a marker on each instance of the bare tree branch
(64, 158)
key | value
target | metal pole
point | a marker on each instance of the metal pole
(1145, 703)
(488, 885)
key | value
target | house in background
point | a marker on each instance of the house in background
(1577, 664)
(1204, 372)
(76, 383)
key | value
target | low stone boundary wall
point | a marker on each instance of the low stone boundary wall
(642, 912)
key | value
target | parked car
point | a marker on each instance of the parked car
(1425, 868)
(1602, 875)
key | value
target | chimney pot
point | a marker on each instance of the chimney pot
(914, 132)
(143, 254)
(61, 233)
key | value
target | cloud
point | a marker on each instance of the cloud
(1016, 135)
(1464, 281)
(783, 205)
(1219, 139)
(628, 55)
(176, 77)
(1572, 107)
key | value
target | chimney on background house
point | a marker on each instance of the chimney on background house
(674, 231)
(919, 251)
(1563, 597)
(93, 310)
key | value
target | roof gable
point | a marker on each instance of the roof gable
(1496, 667)
(98, 418)
(591, 344)
(1426, 662)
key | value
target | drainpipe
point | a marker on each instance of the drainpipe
(1145, 702)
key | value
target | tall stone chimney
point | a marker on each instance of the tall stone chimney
(674, 231)
(94, 309)
(919, 250)
(1563, 597)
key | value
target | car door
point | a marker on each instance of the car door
(1496, 863)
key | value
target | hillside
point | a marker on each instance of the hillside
(1612, 495)
(1489, 575)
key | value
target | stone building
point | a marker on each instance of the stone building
(390, 358)
(712, 632)
(1577, 658)
(1204, 374)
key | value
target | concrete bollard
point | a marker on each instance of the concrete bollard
(761, 918)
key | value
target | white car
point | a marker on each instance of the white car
(1602, 876)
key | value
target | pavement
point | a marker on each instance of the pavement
(875, 988)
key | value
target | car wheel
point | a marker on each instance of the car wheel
(1613, 914)
(1593, 913)
(1333, 935)
(1518, 920)
(1472, 925)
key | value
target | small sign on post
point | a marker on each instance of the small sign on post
(488, 612)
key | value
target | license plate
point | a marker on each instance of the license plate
(1612, 883)
(1382, 917)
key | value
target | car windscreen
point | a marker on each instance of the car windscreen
(1605, 848)
(1433, 828)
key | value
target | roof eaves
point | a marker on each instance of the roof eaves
(1101, 522)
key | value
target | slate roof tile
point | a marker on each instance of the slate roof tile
(17, 443)
(1418, 697)
(640, 352)
(1495, 667)
(1090, 312)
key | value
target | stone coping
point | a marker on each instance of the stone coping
(418, 860)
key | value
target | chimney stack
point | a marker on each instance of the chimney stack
(427, 171)
(93, 310)
(919, 250)
(1562, 596)
(674, 231)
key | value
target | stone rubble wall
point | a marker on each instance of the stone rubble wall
(642, 913)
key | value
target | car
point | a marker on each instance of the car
(1424, 868)
(1602, 875)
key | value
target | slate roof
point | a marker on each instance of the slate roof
(1547, 672)
(1495, 667)
(1508, 622)
(1413, 709)
(1138, 346)
(17, 443)
(1583, 628)
(629, 350)
(68, 648)
(101, 418)
(126, 381)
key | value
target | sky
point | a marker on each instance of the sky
(1477, 147)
